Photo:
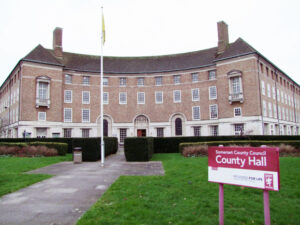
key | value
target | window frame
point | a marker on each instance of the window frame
(235, 113)
(212, 77)
(210, 88)
(125, 95)
(71, 115)
(85, 120)
(162, 97)
(195, 77)
(174, 96)
(193, 113)
(196, 98)
(86, 80)
(177, 79)
(39, 116)
(211, 111)
(123, 81)
(106, 101)
(160, 79)
(139, 96)
(89, 97)
(66, 95)
(140, 81)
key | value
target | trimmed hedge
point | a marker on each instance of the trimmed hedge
(171, 144)
(138, 149)
(60, 147)
(91, 147)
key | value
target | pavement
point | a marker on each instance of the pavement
(62, 199)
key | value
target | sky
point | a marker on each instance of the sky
(150, 27)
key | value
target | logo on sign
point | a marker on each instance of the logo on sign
(269, 181)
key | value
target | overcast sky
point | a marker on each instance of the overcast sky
(150, 27)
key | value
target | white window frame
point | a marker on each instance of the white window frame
(275, 110)
(105, 81)
(141, 98)
(264, 108)
(210, 111)
(210, 90)
(270, 109)
(123, 81)
(86, 80)
(195, 97)
(269, 90)
(197, 131)
(214, 77)
(158, 81)
(89, 96)
(40, 116)
(85, 120)
(66, 100)
(238, 131)
(125, 96)
(195, 117)
(263, 89)
(85, 132)
(68, 119)
(68, 79)
(140, 81)
(105, 98)
(156, 97)
(235, 111)
(176, 79)
(176, 93)
(274, 93)
(195, 77)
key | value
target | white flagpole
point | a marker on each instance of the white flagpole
(101, 92)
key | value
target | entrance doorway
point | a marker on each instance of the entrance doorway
(141, 133)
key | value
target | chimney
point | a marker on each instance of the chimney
(223, 39)
(57, 42)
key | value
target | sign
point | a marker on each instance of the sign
(256, 167)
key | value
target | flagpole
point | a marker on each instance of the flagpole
(101, 91)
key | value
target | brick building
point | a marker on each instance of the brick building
(231, 89)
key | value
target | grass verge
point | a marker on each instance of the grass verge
(184, 196)
(12, 170)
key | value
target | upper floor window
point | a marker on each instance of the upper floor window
(122, 81)
(176, 79)
(105, 81)
(140, 81)
(86, 80)
(213, 111)
(196, 112)
(123, 98)
(158, 97)
(212, 92)
(263, 88)
(158, 81)
(195, 77)
(85, 97)
(195, 94)
(177, 96)
(67, 115)
(68, 79)
(43, 91)
(141, 97)
(105, 97)
(238, 129)
(237, 111)
(85, 115)
(211, 75)
(68, 96)
(41, 116)
(235, 86)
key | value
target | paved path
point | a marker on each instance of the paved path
(63, 198)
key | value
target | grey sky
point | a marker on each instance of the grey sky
(154, 27)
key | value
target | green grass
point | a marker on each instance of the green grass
(184, 196)
(12, 170)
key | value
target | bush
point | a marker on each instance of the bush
(61, 148)
(195, 151)
(138, 149)
(28, 150)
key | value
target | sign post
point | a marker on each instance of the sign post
(255, 167)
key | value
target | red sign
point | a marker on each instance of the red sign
(256, 167)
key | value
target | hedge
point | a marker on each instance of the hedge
(138, 149)
(60, 147)
(254, 143)
(91, 147)
(171, 144)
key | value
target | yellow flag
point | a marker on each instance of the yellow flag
(103, 30)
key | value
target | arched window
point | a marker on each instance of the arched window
(178, 126)
(105, 128)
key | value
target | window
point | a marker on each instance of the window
(67, 115)
(264, 108)
(274, 93)
(160, 132)
(237, 111)
(270, 109)
(41, 116)
(197, 131)
(158, 97)
(212, 75)
(68, 79)
(278, 95)
(282, 98)
(195, 77)
(279, 112)
(67, 132)
(86, 80)
(105, 98)
(105, 128)
(122, 81)
(158, 81)
(141, 98)
(177, 96)
(123, 134)
(85, 97)
(85, 133)
(238, 129)
(214, 130)
(176, 79)
(85, 115)
(105, 81)
(213, 111)
(140, 81)
(196, 112)
(41, 132)
(195, 94)
(68, 96)
(123, 98)
(178, 127)
(263, 90)
(269, 90)
(55, 135)
(43, 90)
(275, 111)
(212, 92)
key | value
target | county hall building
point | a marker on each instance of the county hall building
(231, 89)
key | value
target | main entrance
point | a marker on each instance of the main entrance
(141, 133)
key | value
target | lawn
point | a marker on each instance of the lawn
(184, 196)
(12, 170)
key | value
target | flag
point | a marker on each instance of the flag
(103, 30)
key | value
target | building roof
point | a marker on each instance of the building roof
(136, 65)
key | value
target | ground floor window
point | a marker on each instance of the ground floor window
(178, 126)
(238, 129)
(160, 131)
(67, 132)
(214, 130)
(85, 133)
(55, 135)
(197, 131)
(105, 128)
(41, 132)
(123, 134)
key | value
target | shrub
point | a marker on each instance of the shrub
(138, 149)
(195, 151)
(28, 151)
